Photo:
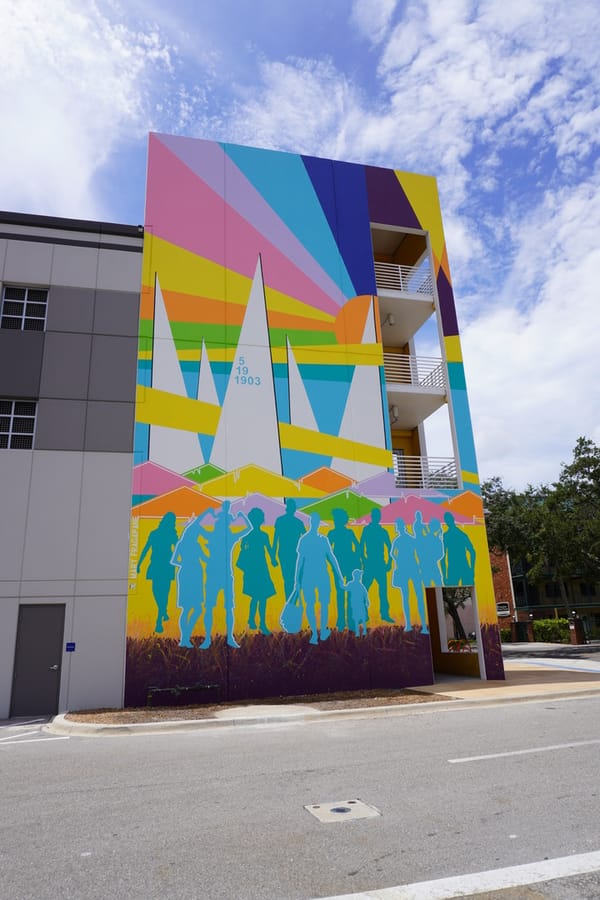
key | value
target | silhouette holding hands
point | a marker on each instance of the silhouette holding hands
(345, 547)
(359, 603)
(406, 571)
(314, 559)
(375, 550)
(252, 560)
(160, 572)
(288, 531)
(187, 558)
(219, 570)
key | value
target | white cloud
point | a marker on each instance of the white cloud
(372, 18)
(532, 368)
(75, 85)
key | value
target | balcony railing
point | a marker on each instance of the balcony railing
(407, 279)
(424, 471)
(420, 371)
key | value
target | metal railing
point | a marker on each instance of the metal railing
(424, 471)
(407, 279)
(422, 371)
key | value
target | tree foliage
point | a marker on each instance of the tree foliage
(554, 528)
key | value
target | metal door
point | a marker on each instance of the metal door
(38, 655)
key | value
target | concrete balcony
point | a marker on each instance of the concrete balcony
(422, 472)
(416, 387)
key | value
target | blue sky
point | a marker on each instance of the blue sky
(499, 99)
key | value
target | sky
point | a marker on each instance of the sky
(500, 100)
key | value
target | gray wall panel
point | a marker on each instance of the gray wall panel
(3, 243)
(75, 266)
(28, 263)
(65, 369)
(117, 312)
(96, 668)
(52, 523)
(103, 546)
(21, 354)
(15, 473)
(119, 271)
(60, 424)
(109, 427)
(70, 309)
(113, 368)
(8, 636)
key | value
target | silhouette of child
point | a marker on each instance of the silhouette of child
(359, 602)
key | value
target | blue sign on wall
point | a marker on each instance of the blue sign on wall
(70, 647)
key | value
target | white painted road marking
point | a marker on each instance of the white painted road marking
(35, 740)
(482, 882)
(12, 737)
(523, 752)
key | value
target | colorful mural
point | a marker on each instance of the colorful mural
(272, 551)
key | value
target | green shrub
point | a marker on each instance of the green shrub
(551, 631)
(505, 635)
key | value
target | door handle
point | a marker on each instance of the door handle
(54, 668)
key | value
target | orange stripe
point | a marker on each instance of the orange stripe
(189, 308)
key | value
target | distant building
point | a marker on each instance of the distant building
(277, 442)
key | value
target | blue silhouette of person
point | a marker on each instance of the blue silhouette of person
(345, 547)
(359, 603)
(375, 550)
(288, 531)
(252, 560)
(430, 550)
(312, 576)
(406, 571)
(160, 544)
(459, 558)
(219, 571)
(187, 558)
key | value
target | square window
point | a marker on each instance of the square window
(17, 424)
(24, 308)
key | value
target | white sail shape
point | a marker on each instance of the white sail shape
(301, 412)
(248, 429)
(207, 391)
(363, 416)
(176, 450)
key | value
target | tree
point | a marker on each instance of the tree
(555, 528)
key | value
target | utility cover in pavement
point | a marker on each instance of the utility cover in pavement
(342, 811)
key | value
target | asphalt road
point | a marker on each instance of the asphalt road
(220, 814)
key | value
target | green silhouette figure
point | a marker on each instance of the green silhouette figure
(187, 558)
(345, 547)
(312, 576)
(252, 560)
(359, 603)
(288, 531)
(430, 550)
(375, 550)
(406, 571)
(459, 558)
(160, 544)
(219, 571)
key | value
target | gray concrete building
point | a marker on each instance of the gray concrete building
(68, 349)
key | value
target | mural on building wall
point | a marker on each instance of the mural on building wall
(272, 550)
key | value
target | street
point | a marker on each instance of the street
(220, 813)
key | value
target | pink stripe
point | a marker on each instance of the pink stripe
(183, 210)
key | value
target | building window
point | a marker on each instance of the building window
(24, 308)
(587, 589)
(17, 424)
(552, 589)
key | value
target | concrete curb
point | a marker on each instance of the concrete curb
(61, 725)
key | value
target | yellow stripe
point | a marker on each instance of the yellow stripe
(453, 349)
(470, 477)
(321, 354)
(154, 407)
(186, 273)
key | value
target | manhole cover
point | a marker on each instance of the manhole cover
(342, 811)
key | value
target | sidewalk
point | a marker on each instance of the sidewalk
(524, 681)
